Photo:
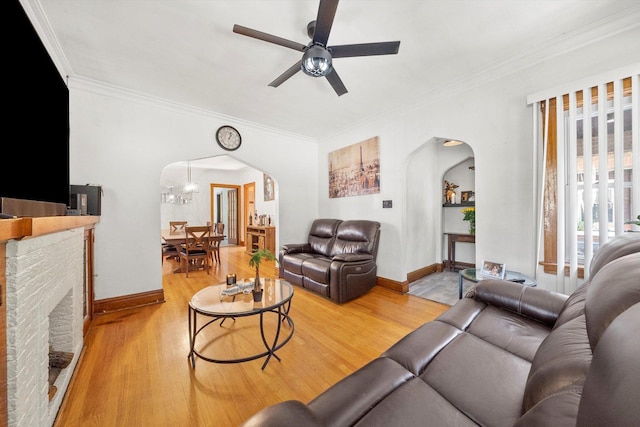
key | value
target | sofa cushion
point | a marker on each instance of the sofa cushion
(471, 374)
(611, 393)
(293, 262)
(573, 306)
(322, 235)
(557, 410)
(349, 399)
(428, 408)
(613, 289)
(621, 245)
(317, 269)
(560, 363)
(509, 331)
(356, 236)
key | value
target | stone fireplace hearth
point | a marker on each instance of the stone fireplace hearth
(44, 277)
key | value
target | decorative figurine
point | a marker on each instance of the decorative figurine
(450, 192)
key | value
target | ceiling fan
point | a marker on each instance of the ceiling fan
(317, 58)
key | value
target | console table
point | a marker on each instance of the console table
(451, 249)
(260, 237)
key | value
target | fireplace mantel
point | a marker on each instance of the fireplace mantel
(18, 228)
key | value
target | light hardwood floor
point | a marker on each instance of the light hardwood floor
(134, 369)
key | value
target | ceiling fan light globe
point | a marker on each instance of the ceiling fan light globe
(316, 62)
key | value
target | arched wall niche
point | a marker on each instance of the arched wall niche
(426, 218)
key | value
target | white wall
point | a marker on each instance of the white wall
(492, 116)
(123, 143)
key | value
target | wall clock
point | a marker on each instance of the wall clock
(228, 138)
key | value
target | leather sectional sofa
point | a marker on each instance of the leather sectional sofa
(504, 355)
(338, 261)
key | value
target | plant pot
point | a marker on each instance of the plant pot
(257, 296)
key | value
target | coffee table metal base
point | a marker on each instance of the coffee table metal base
(270, 348)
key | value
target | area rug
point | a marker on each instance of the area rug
(439, 287)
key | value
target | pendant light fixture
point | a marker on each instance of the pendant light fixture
(190, 186)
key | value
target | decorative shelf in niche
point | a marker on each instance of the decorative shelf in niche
(456, 205)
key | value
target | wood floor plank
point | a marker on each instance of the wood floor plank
(134, 368)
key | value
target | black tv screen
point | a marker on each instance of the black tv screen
(36, 117)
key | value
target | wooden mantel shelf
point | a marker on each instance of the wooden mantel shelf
(18, 228)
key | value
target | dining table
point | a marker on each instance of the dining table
(177, 238)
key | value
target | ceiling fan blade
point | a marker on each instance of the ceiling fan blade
(364, 49)
(336, 82)
(268, 38)
(324, 21)
(287, 74)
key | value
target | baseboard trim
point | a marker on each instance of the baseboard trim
(403, 287)
(412, 276)
(126, 302)
(394, 285)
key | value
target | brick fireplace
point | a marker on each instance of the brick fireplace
(45, 285)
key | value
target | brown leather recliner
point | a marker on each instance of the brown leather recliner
(338, 261)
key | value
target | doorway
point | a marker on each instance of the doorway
(225, 208)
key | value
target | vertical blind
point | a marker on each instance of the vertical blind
(595, 129)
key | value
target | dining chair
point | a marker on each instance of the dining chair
(218, 229)
(176, 226)
(195, 251)
(168, 251)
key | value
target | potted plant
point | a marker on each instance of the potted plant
(470, 215)
(254, 261)
(634, 222)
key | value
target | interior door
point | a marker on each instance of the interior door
(232, 216)
(219, 211)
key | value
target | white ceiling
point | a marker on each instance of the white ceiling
(184, 51)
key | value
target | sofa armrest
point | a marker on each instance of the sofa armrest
(287, 413)
(293, 248)
(352, 257)
(539, 304)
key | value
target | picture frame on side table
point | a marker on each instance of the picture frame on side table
(493, 270)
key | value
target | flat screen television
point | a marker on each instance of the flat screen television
(36, 117)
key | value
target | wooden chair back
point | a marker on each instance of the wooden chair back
(177, 226)
(196, 248)
(217, 228)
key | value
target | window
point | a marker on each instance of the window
(588, 189)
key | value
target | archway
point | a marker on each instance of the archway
(425, 213)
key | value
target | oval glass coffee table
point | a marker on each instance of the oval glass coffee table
(212, 303)
(473, 275)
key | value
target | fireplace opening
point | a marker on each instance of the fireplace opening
(58, 360)
(60, 339)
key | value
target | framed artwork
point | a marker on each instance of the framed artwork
(355, 170)
(467, 196)
(493, 270)
(269, 193)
